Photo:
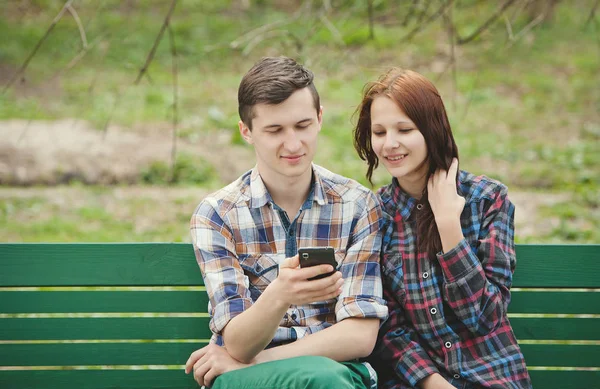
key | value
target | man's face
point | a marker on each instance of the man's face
(284, 136)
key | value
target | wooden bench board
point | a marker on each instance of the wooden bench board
(68, 310)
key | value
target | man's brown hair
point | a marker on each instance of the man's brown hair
(272, 80)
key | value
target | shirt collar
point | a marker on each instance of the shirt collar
(402, 200)
(404, 203)
(260, 196)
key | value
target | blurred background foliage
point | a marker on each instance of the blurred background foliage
(520, 79)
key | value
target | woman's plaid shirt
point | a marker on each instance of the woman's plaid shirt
(448, 315)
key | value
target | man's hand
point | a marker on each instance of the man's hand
(435, 381)
(292, 286)
(209, 362)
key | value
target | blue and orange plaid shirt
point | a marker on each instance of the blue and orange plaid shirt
(448, 315)
(240, 236)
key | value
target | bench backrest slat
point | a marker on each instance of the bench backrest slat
(108, 264)
(128, 315)
(124, 300)
(556, 266)
(151, 377)
(70, 354)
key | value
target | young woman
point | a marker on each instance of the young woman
(448, 254)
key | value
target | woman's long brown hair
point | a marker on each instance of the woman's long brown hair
(419, 99)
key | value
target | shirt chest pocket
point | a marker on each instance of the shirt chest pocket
(393, 274)
(261, 269)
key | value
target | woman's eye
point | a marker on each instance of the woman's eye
(405, 130)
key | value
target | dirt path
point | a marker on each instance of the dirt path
(52, 152)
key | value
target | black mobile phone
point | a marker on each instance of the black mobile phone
(312, 256)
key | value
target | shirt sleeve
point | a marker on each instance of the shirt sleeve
(398, 346)
(362, 291)
(225, 281)
(477, 279)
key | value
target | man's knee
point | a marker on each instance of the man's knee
(308, 372)
(323, 373)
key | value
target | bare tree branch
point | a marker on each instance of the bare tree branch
(80, 55)
(449, 18)
(592, 14)
(429, 20)
(509, 30)
(156, 42)
(79, 25)
(484, 26)
(271, 34)
(257, 35)
(410, 13)
(370, 12)
(424, 11)
(334, 31)
(251, 35)
(37, 46)
(540, 18)
(470, 99)
(174, 71)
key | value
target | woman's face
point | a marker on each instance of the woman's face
(398, 143)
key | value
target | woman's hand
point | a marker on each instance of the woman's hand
(446, 205)
(445, 202)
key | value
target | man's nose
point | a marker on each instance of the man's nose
(292, 142)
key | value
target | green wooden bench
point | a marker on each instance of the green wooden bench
(128, 315)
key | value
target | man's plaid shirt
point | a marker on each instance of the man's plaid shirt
(240, 236)
(448, 314)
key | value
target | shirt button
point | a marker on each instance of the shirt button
(294, 316)
(425, 275)
(433, 311)
(419, 206)
(456, 376)
(448, 345)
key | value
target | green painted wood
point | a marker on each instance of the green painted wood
(177, 353)
(561, 355)
(96, 379)
(104, 328)
(103, 301)
(98, 264)
(556, 328)
(553, 379)
(174, 264)
(569, 266)
(176, 379)
(63, 354)
(555, 302)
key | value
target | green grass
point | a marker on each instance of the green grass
(524, 112)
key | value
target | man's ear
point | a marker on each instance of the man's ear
(245, 132)
(320, 117)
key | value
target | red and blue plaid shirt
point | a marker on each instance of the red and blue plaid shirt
(448, 314)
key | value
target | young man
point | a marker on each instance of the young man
(272, 326)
